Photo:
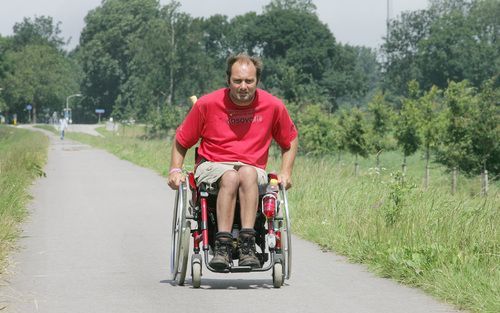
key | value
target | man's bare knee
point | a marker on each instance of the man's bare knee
(229, 180)
(247, 175)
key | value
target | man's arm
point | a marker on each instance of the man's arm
(288, 157)
(175, 176)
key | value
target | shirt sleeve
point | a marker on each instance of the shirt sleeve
(284, 130)
(189, 132)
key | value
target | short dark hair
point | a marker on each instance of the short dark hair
(244, 58)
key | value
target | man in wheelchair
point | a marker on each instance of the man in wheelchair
(236, 126)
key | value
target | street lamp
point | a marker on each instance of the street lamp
(67, 106)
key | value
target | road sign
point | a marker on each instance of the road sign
(99, 111)
(29, 107)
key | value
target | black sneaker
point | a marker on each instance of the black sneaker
(222, 252)
(246, 245)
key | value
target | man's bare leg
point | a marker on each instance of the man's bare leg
(226, 200)
(249, 196)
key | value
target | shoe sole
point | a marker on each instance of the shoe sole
(219, 266)
(252, 265)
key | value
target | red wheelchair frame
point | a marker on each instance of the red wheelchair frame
(196, 218)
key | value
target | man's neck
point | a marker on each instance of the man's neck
(240, 103)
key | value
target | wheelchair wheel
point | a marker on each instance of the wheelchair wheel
(286, 234)
(278, 275)
(196, 274)
(184, 253)
(181, 231)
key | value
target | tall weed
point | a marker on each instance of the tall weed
(22, 157)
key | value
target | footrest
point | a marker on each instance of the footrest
(240, 269)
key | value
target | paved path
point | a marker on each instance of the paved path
(98, 241)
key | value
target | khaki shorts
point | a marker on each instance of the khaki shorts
(210, 173)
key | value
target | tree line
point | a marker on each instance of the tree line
(433, 85)
(458, 125)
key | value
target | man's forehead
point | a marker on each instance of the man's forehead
(247, 67)
(244, 63)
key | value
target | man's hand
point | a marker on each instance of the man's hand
(285, 175)
(285, 179)
(175, 175)
(175, 179)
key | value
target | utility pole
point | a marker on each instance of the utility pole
(173, 17)
(388, 19)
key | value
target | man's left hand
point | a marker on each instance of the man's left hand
(285, 179)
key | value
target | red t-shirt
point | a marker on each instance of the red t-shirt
(231, 133)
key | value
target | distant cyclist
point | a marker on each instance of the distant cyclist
(63, 125)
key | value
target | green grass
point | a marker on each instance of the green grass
(47, 127)
(448, 245)
(154, 154)
(23, 154)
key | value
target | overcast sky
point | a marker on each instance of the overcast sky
(357, 22)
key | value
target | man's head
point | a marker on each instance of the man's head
(243, 74)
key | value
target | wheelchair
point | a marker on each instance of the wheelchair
(195, 223)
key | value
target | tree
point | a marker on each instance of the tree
(400, 49)
(350, 77)
(3, 71)
(353, 124)
(301, 5)
(485, 129)
(406, 131)
(455, 149)
(241, 34)
(316, 131)
(381, 116)
(431, 124)
(105, 51)
(461, 45)
(38, 31)
(453, 40)
(41, 76)
(304, 63)
(282, 35)
(175, 57)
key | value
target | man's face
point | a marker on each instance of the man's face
(243, 83)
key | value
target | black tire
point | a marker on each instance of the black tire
(286, 234)
(184, 253)
(178, 225)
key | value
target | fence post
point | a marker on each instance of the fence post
(484, 183)
(454, 181)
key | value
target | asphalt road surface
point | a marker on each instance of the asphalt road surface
(98, 240)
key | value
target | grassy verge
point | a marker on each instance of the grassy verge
(445, 244)
(47, 127)
(154, 154)
(22, 156)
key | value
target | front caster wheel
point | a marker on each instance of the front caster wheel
(196, 274)
(278, 275)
